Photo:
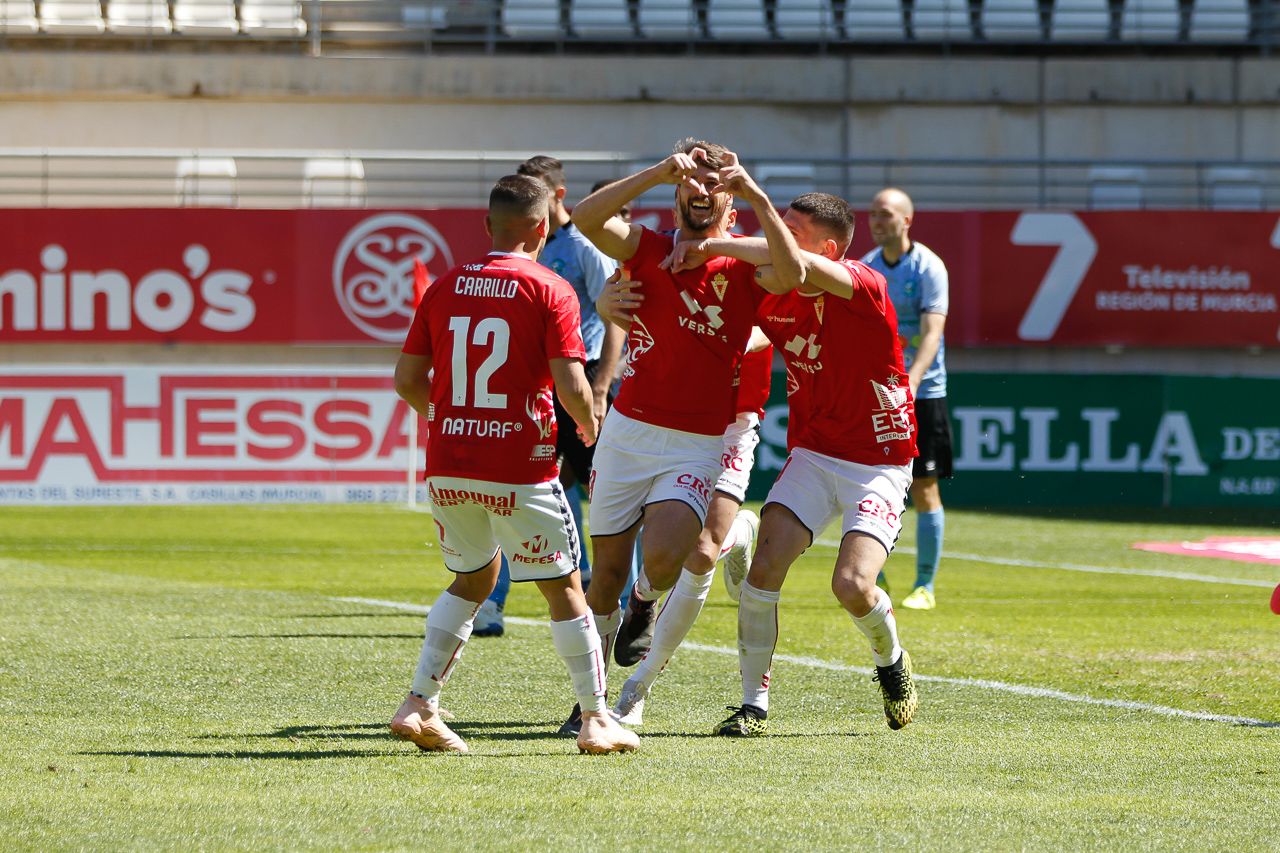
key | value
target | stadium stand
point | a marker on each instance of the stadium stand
(71, 17)
(1233, 188)
(737, 20)
(139, 17)
(1219, 21)
(206, 182)
(805, 20)
(668, 19)
(941, 20)
(1150, 21)
(531, 18)
(330, 182)
(205, 17)
(18, 17)
(1116, 188)
(1080, 21)
(272, 18)
(601, 19)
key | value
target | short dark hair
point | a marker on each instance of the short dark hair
(830, 212)
(518, 197)
(547, 169)
(715, 151)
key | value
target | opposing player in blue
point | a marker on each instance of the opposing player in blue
(918, 288)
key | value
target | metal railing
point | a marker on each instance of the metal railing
(376, 179)
(324, 26)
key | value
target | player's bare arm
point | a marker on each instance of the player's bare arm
(596, 215)
(931, 327)
(784, 253)
(413, 381)
(690, 254)
(610, 354)
(619, 300)
(575, 395)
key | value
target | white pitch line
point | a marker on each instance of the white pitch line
(1078, 567)
(833, 666)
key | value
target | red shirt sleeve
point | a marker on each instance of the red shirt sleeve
(564, 329)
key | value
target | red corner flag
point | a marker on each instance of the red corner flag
(421, 281)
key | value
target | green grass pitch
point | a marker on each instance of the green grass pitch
(190, 678)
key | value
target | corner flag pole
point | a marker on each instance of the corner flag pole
(421, 281)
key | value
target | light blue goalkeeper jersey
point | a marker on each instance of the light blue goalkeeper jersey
(576, 259)
(917, 283)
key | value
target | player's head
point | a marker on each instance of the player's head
(890, 216)
(821, 223)
(550, 171)
(518, 213)
(699, 213)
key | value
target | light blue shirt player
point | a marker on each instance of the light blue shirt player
(917, 284)
(576, 259)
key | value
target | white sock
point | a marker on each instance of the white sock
(578, 644)
(448, 628)
(881, 629)
(607, 627)
(644, 590)
(676, 617)
(757, 638)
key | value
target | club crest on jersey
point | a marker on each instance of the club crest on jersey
(720, 284)
(541, 410)
(820, 305)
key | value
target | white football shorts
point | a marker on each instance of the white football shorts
(869, 498)
(637, 464)
(531, 523)
(739, 455)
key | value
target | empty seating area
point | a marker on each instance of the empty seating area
(358, 179)
(638, 23)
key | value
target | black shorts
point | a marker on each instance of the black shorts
(933, 437)
(576, 457)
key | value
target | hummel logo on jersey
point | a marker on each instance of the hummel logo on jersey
(804, 347)
(720, 284)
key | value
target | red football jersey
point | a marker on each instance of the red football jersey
(491, 328)
(686, 340)
(847, 390)
(754, 378)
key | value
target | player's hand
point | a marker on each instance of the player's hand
(600, 402)
(682, 169)
(619, 299)
(735, 179)
(686, 255)
(590, 431)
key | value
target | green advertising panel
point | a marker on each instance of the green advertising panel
(1070, 439)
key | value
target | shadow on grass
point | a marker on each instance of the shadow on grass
(240, 754)
(366, 730)
(381, 614)
(417, 636)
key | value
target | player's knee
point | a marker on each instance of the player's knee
(854, 591)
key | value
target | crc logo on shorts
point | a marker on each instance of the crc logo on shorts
(373, 271)
(696, 485)
(878, 513)
(733, 459)
(536, 553)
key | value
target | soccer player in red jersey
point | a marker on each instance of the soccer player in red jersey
(729, 534)
(660, 449)
(499, 333)
(851, 437)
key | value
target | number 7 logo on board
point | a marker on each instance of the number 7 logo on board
(1065, 274)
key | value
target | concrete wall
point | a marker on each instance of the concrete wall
(1105, 108)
